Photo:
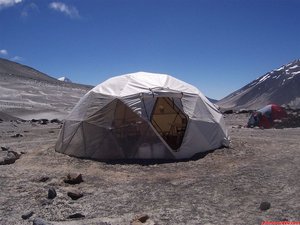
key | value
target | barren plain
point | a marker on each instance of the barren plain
(227, 186)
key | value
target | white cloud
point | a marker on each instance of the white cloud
(16, 58)
(8, 3)
(69, 10)
(3, 52)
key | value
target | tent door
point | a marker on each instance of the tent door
(169, 121)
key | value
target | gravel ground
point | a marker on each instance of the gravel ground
(226, 186)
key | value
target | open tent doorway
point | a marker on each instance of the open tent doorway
(169, 121)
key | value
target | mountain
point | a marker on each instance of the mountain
(212, 100)
(28, 93)
(280, 86)
(12, 68)
(65, 79)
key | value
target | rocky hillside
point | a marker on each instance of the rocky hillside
(280, 86)
(28, 93)
(12, 68)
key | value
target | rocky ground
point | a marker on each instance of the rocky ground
(257, 179)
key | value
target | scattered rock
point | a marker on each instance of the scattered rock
(230, 111)
(40, 121)
(15, 153)
(75, 195)
(243, 111)
(9, 158)
(27, 215)
(265, 206)
(55, 121)
(4, 148)
(39, 221)
(140, 219)
(291, 121)
(43, 121)
(76, 216)
(43, 179)
(51, 193)
(73, 179)
(17, 135)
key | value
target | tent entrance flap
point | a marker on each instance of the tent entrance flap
(169, 121)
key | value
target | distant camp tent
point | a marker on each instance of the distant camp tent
(265, 117)
(142, 116)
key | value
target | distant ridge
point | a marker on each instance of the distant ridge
(212, 100)
(12, 68)
(280, 86)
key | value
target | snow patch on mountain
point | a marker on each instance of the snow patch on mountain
(65, 79)
(279, 69)
(294, 67)
(280, 86)
(264, 78)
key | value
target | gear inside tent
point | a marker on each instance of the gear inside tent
(265, 116)
(142, 116)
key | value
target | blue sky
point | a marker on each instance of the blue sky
(216, 45)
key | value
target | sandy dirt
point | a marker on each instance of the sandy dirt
(226, 186)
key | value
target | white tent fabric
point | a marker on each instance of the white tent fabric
(142, 116)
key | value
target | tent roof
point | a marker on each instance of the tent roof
(143, 82)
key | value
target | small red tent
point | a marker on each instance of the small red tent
(265, 116)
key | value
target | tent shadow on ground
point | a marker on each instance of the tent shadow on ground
(148, 162)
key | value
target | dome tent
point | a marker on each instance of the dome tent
(142, 116)
(265, 116)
